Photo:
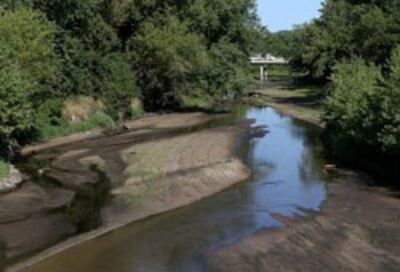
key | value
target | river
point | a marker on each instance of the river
(287, 179)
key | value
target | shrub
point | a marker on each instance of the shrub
(349, 109)
(96, 120)
(4, 169)
(362, 115)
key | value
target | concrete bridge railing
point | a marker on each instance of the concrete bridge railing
(265, 61)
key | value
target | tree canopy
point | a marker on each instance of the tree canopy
(115, 50)
(346, 29)
(354, 48)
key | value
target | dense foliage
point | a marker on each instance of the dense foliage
(161, 51)
(280, 43)
(362, 115)
(369, 29)
(28, 69)
(354, 47)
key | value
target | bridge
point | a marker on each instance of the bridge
(266, 60)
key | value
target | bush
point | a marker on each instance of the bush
(4, 169)
(362, 115)
(97, 120)
(349, 109)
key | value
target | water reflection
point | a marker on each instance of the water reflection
(287, 176)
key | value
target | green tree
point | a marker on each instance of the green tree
(347, 28)
(28, 69)
(167, 58)
(229, 73)
(118, 85)
(362, 115)
(389, 133)
(349, 109)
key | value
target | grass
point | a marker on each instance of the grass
(4, 169)
(196, 102)
(98, 119)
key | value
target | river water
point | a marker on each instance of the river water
(287, 179)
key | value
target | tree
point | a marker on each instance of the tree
(347, 28)
(229, 72)
(362, 115)
(114, 50)
(351, 110)
(389, 116)
(28, 68)
(167, 58)
(118, 85)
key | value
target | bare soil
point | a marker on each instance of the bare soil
(303, 104)
(149, 122)
(155, 164)
(358, 229)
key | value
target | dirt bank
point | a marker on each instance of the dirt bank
(145, 124)
(159, 163)
(303, 104)
(358, 229)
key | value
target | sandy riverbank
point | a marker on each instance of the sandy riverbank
(358, 229)
(297, 103)
(160, 163)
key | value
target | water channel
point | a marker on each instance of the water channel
(287, 179)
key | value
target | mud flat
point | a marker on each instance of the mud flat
(358, 229)
(157, 164)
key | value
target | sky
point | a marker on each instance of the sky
(284, 14)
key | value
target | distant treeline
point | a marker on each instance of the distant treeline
(164, 52)
(354, 48)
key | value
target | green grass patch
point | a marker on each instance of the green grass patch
(4, 169)
(98, 119)
(197, 102)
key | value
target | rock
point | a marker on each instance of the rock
(11, 182)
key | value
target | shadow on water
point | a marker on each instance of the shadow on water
(287, 179)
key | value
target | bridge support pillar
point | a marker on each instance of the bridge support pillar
(262, 73)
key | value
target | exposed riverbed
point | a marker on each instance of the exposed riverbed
(289, 215)
(287, 179)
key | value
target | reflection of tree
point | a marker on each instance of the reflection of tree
(262, 167)
(303, 131)
(311, 163)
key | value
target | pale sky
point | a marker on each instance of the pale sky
(284, 14)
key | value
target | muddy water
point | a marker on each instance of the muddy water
(287, 180)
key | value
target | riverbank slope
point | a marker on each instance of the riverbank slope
(358, 229)
(158, 163)
(285, 95)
